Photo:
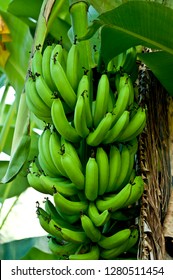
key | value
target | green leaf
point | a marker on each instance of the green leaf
(17, 159)
(29, 8)
(19, 48)
(8, 122)
(136, 23)
(108, 5)
(16, 186)
(17, 249)
(21, 142)
(161, 64)
(19, 183)
(4, 4)
(37, 254)
(8, 143)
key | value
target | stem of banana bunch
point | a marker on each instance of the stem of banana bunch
(79, 18)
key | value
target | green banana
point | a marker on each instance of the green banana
(128, 195)
(73, 171)
(46, 66)
(44, 218)
(117, 129)
(70, 149)
(115, 240)
(56, 55)
(44, 164)
(116, 201)
(72, 67)
(44, 151)
(92, 254)
(125, 165)
(131, 88)
(92, 232)
(42, 158)
(130, 173)
(36, 62)
(50, 208)
(74, 236)
(137, 122)
(99, 219)
(121, 103)
(57, 222)
(114, 167)
(103, 170)
(130, 60)
(120, 80)
(126, 214)
(34, 110)
(34, 180)
(34, 102)
(56, 151)
(120, 59)
(136, 133)
(85, 90)
(69, 207)
(111, 100)
(33, 166)
(65, 187)
(96, 137)
(61, 122)
(111, 254)
(133, 238)
(62, 83)
(91, 179)
(110, 66)
(80, 120)
(71, 219)
(136, 191)
(45, 93)
(102, 97)
(55, 229)
(84, 86)
(62, 248)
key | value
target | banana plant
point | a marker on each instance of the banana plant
(114, 27)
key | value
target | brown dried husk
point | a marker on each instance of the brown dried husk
(154, 166)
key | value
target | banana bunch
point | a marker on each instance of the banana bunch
(86, 152)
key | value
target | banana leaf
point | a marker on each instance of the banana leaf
(161, 64)
(108, 5)
(37, 254)
(19, 48)
(28, 248)
(136, 23)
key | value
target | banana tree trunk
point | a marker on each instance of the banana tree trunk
(154, 163)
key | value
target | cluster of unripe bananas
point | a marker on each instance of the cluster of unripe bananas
(86, 155)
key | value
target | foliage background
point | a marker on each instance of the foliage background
(24, 24)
